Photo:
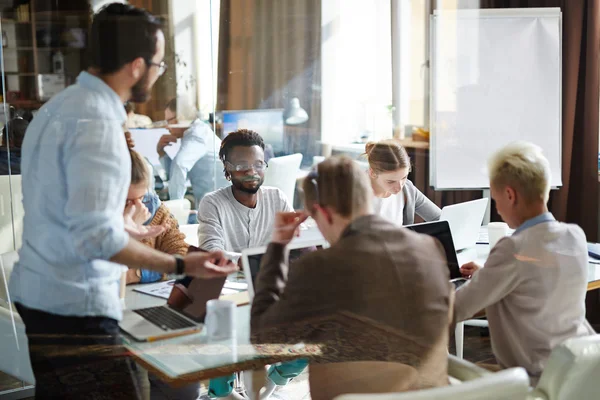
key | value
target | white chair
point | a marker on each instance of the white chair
(510, 384)
(180, 209)
(459, 333)
(282, 174)
(7, 260)
(13, 341)
(11, 209)
(572, 371)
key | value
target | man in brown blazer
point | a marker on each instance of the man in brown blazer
(379, 294)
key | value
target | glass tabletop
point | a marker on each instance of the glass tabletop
(197, 355)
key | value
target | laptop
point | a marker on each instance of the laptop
(251, 258)
(465, 221)
(441, 231)
(166, 321)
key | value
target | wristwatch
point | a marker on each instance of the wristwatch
(179, 267)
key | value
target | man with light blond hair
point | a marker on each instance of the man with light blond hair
(534, 282)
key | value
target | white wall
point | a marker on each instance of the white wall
(356, 69)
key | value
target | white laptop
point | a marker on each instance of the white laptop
(465, 221)
(176, 317)
(251, 258)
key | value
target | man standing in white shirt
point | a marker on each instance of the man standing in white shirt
(534, 282)
(76, 173)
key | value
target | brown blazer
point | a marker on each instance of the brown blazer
(381, 293)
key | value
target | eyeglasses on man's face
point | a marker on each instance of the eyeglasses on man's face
(162, 66)
(243, 167)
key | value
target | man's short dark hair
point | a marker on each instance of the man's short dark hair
(172, 105)
(129, 107)
(121, 33)
(241, 137)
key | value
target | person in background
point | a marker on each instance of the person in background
(196, 158)
(241, 216)
(65, 284)
(394, 278)
(12, 140)
(147, 209)
(533, 284)
(395, 197)
(135, 120)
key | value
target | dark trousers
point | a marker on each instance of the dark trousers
(80, 358)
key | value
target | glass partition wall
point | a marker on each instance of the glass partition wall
(312, 77)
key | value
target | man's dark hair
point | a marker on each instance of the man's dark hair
(121, 33)
(241, 137)
(14, 132)
(172, 105)
(129, 107)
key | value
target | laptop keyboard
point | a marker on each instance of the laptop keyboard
(164, 318)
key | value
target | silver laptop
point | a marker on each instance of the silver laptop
(176, 317)
(465, 221)
(251, 258)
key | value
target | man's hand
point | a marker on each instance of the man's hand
(208, 265)
(178, 130)
(287, 225)
(469, 269)
(139, 231)
(164, 141)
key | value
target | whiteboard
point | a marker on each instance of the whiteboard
(495, 79)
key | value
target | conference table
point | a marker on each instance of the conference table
(192, 358)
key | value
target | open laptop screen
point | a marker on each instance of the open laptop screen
(254, 260)
(441, 231)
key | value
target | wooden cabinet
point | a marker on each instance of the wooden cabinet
(44, 45)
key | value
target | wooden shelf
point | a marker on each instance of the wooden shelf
(25, 48)
(12, 21)
(25, 103)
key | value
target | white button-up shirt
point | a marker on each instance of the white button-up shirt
(76, 171)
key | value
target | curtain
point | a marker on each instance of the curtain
(577, 200)
(270, 52)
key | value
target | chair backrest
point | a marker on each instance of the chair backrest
(510, 384)
(9, 214)
(573, 370)
(7, 261)
(334, 379)
(282, 174)
(180, 209)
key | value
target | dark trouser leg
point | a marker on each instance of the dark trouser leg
(79, 358)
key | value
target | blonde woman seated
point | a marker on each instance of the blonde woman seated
(395, 197)
(145, 208)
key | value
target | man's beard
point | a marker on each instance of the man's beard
(140, 93)
(239, 185)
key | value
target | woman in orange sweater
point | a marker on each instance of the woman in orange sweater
(146, 208)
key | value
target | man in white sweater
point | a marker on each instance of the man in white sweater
(241, 215)
(534, 282)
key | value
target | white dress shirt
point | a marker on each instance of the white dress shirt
(76, 172)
